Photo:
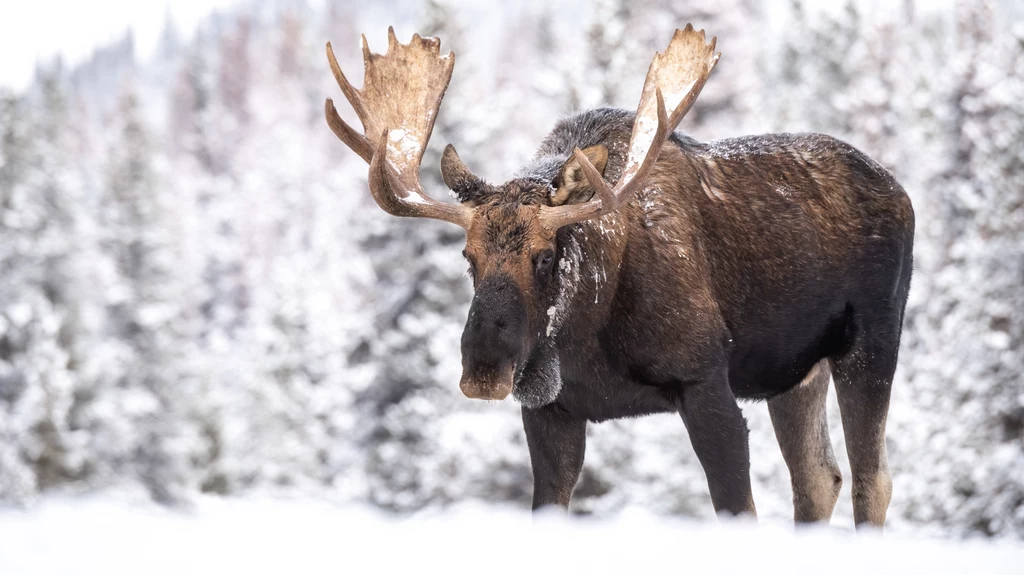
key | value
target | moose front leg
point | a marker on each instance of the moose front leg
(718, 433)
(557, 442)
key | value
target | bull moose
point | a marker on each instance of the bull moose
(629, 269)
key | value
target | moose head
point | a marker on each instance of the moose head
(511, 229)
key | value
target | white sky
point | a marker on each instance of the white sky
(31, 30)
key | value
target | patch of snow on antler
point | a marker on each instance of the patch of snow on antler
(643, 134)
(403, 147)
(413, 197)
(678, 96)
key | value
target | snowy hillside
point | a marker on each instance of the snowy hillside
(198, 297)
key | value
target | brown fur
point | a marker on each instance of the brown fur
(745, 261)
(502, 239)
(724, 270)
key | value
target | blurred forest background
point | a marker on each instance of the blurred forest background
(198, 295)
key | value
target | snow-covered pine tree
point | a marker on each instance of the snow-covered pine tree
(966, 354)
(46, 295)
(18, 219)
(147, 315)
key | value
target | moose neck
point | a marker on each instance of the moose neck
(592, 254)
(589, 263)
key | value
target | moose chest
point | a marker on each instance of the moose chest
(657, 335)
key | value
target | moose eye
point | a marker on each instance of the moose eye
(543, 261)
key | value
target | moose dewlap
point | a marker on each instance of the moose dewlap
(629, 269)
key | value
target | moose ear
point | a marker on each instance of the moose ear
(467, 187)
(571, 186)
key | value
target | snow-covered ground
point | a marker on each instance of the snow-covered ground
(111, 536)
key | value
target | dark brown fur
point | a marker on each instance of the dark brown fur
(739, 266)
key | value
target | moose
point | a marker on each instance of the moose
(629, 269)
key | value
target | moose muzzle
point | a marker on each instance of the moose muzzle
(488, 385)
(493, 339)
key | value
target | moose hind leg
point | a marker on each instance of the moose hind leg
(557, 442)
(863, 380)
(801, 426)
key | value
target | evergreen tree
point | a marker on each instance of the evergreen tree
(146, 314)
(42, 298)
(17, 477)
(972, 326)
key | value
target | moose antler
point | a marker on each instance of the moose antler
(675, 77)
(402, 91)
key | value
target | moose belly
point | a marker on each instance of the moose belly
(776, 356)
(595, 389)
(614, 399)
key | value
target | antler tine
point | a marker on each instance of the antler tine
(345, 133)
(385, 182)
(397, 105)
(352, 138)
(676, 76)
(604, 193)
(629, 185)
(346, 87)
